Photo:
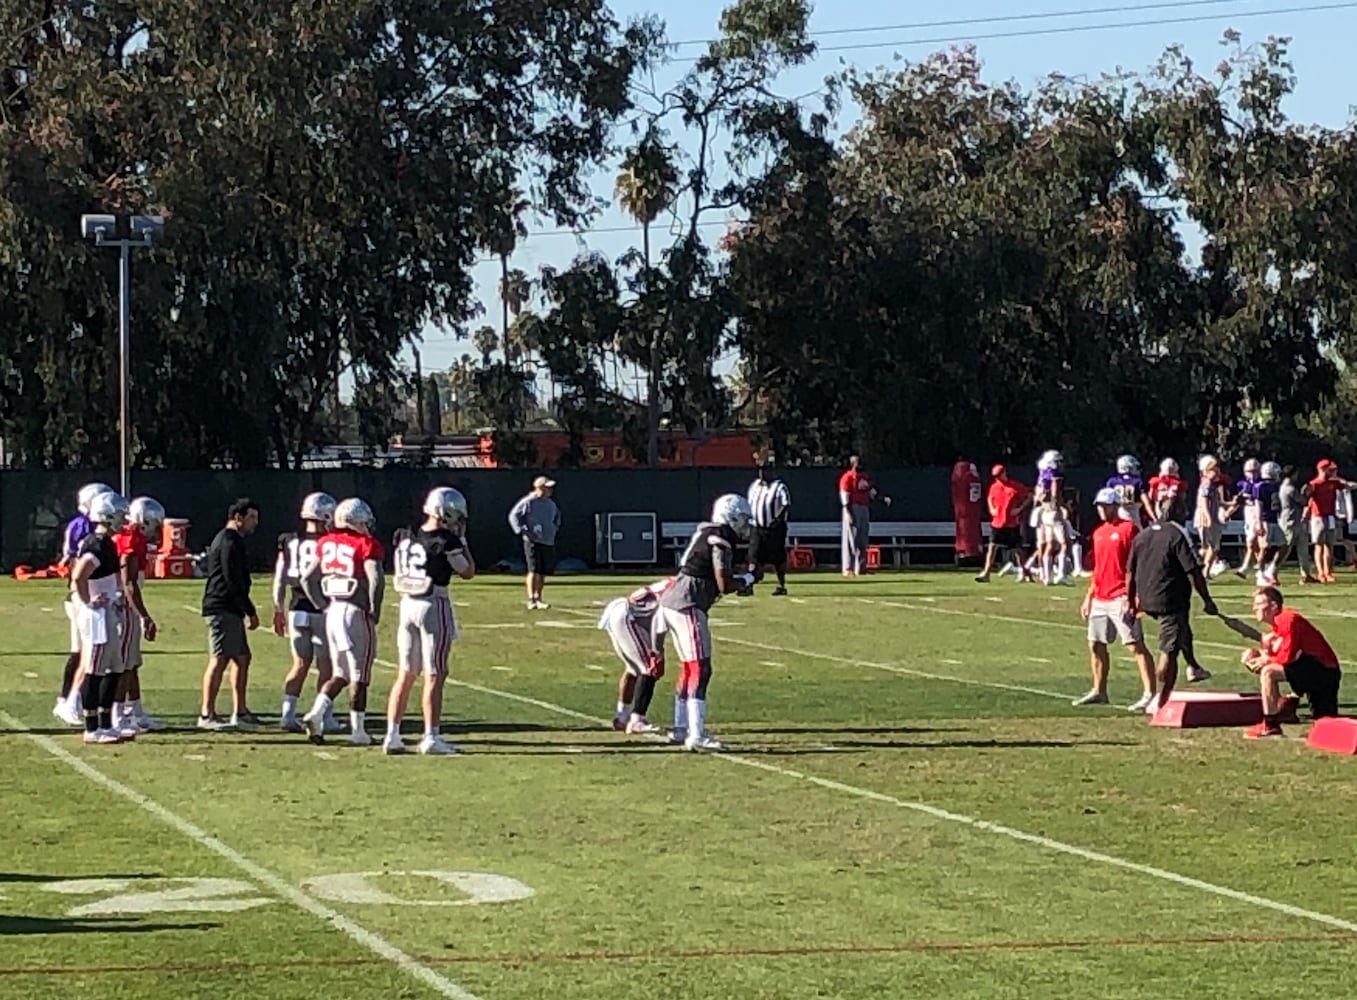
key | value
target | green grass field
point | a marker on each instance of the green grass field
(911, 805)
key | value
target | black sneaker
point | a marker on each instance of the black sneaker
(779, 591)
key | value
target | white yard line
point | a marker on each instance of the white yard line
(284, 890)
(983, 826)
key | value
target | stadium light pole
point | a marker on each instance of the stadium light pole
(142, 231)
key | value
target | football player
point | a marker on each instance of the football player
(706, 572)
(1052, 528)
(1165, 498)
(426, 560)
(1130, 489)
(1269, 516)
(144, 518)
(1207, 520)
(632, 623)
(347, 581)
(67, 708)
(99, 613)
(1246, 496)
(302, 622)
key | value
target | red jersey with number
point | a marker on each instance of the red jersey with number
(342, 554)
(1111, 555)
(1292, 637)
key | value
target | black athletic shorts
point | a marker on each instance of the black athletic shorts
(1175, 632)
(1308, 677)
(1007, 538)
(768, 546)
(540, 558)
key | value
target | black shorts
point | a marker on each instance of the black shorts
(540, 558)
(1006, 538)
(1308, 677)
(1175, 632)
(768, 546)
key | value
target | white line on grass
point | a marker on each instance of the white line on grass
(984, 826)
(361, 935)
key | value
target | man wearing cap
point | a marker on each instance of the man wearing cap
(1293, 651)
(1006, 499)
(536, 519)
(1106, 606)
(1323, 513)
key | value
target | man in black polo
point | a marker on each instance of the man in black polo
(229, 611)
(1160, 576)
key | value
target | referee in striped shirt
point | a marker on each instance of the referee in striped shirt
(770, 500)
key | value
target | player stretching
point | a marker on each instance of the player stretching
(706, 572)
(99, 612)
(426, 560)
(302, 623)
(1049, 514)
(632, 624)
(1255, 536)
(78, 528)
(347, 581)
(144, 518)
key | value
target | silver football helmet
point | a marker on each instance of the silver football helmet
(146, 514)
(1128, 465)
(108, 509)
(1168, 467)
(318, 507)
(1050, 461)
(87, 493)
(1251, 466)
(355, 515)
(733, 511)
(1271, 471)
(1206, 463)
(448, 505)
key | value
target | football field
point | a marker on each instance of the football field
(910, 805)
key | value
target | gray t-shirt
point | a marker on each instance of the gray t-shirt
(536, 517)
(1291, 505)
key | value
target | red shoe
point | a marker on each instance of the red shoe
(1262, 731)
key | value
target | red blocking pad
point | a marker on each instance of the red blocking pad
(1334, 734)
(1200, 709)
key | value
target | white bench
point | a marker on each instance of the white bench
(894, 538)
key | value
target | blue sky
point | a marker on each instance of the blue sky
(1321, 49)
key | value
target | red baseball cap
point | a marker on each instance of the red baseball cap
(997, 471)
(1324, 464)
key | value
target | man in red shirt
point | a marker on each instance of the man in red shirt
(1006, 499)
(856, 492)
(1322, 511)
(1293, 651)
(1105, 606)
(144, 518)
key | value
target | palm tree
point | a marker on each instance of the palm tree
(502, 231)
(646, 186)
(514, 291)
(485, 340)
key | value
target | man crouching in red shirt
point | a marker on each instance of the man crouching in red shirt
(1293, 651)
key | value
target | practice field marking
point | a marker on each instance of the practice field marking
(1038, 659)
(771, 663)
(356, 932)
(477, 887)
(30, 675)
(974, 823)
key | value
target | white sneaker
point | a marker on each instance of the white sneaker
(1092, 698)
(1152, 706)
(104, 736)
(125, 731)
(638, 726)
(392, 746)
(314, 726)
(149, 723)
(436, 746)
(703, 743)
(1142, 703)
(360, 739)
(71, 714)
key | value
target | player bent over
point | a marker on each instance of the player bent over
(302, 623)
(426, 560)
(706, 572)
(346, 580)
(632, 623)
(1293, 651)
(78, 528)
(99, 612)
(144, 518)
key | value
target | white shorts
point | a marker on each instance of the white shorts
(630, 642)
(306, 635)
(352, 640)
(1053, 527)
(1253, 523)
(425, 633)
(692, 636)
(101, 638)
(73, 622)
(1108, 623)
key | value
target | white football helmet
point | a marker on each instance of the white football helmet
(87, 493)
(1206, 463)
(1271, 471)
(1251, 466)
(108, 509)
(355, 515)
(1050, 461)
(1128, 465)
(146, 514)
(448, 505)
(1168, 467)
(318, 507)
(733, 511)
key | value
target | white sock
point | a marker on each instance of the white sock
(697, 718)
(622, 708)
(289, 706)
(1078, 557)
(356, 721)
(680, 714)
(393, 730)
(322, 705)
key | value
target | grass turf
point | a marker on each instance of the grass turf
(912, 804)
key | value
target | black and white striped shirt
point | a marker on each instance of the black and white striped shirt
(769, 501)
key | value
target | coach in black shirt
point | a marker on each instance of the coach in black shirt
(228, 610)
(1160, 576)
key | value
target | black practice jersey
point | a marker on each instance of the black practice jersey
(104, 551)
(297, 553)
(423, 559)
(695, 585)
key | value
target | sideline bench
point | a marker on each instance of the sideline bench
(894, 538)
